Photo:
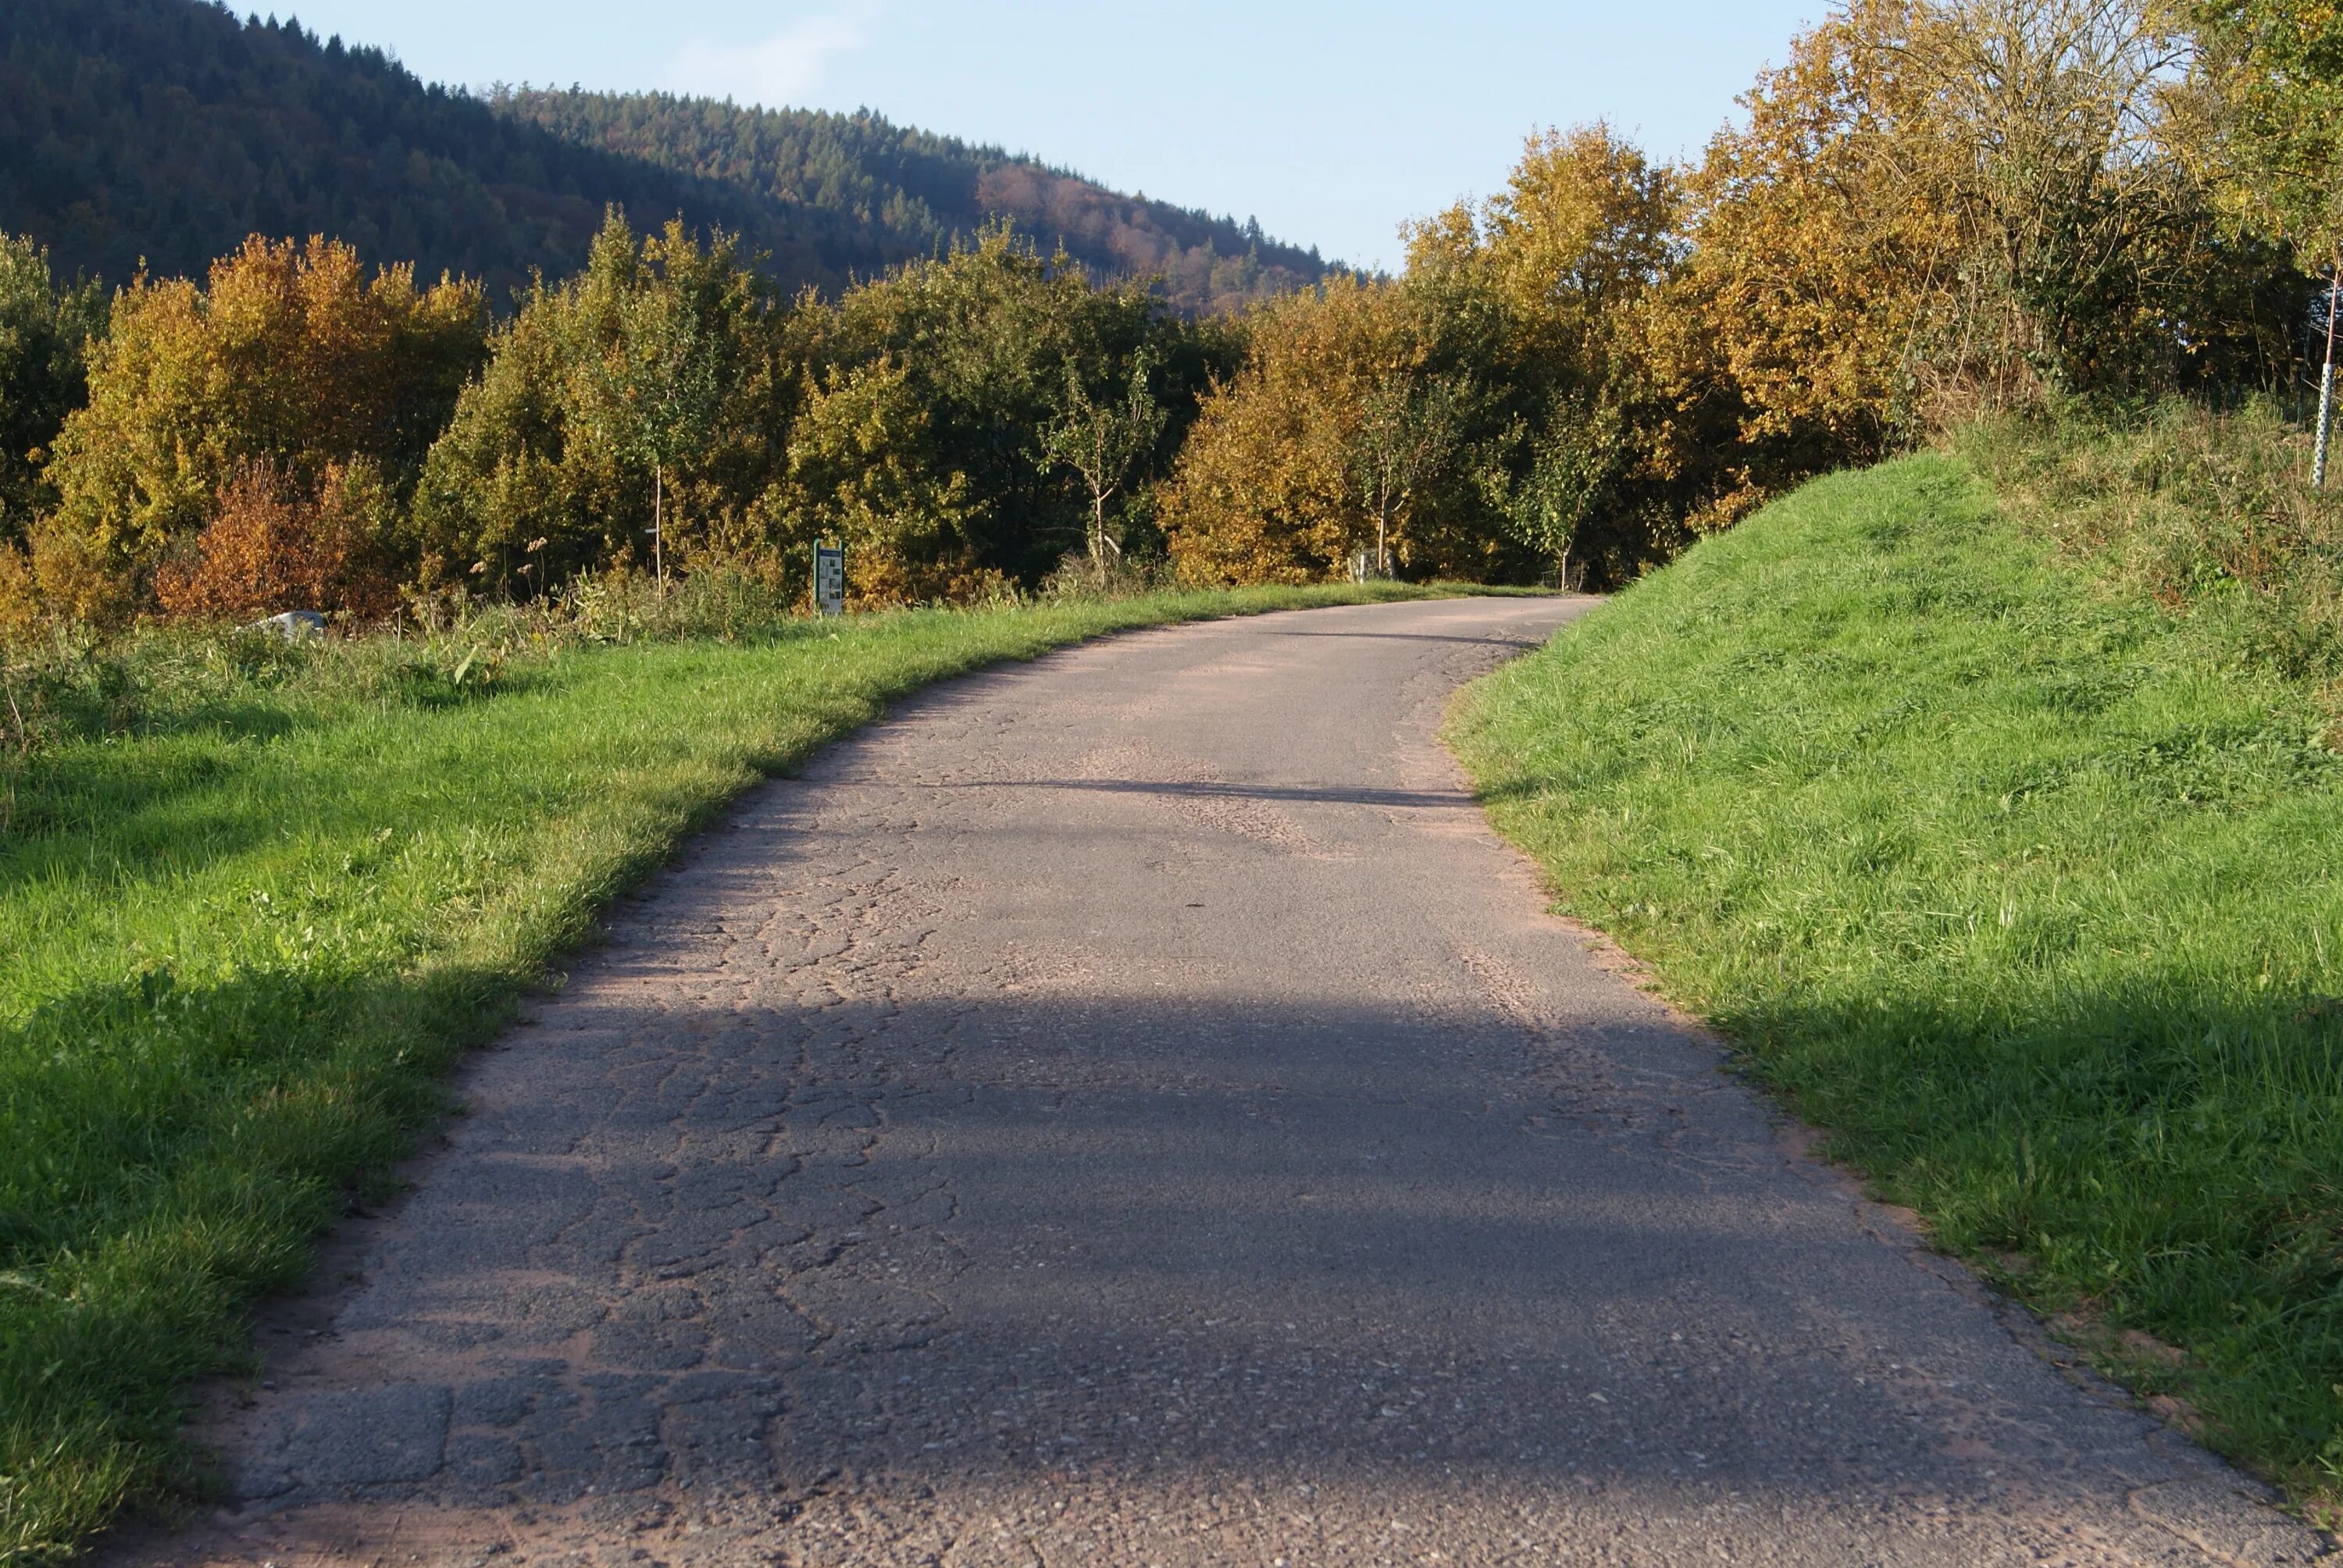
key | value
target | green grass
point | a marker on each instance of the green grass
(2023, 888)
(248, 926)
(2209, 510)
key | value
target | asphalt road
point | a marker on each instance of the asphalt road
(1128, 1109)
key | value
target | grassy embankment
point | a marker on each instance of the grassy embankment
(250, 918)
(2022, 885)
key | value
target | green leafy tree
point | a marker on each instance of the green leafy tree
(864, 470)
(1573, 471)
(988, 337)
(1406, 431)
(44, 337)
(672, 360)
(2279, 69)
(1102, 442)
(2276, 68)
(644, 381)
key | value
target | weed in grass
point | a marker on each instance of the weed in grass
(2028, 892)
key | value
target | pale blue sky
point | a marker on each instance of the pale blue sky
(1330, 123)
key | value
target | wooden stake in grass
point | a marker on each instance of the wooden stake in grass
(658, 524)
(2326, 379)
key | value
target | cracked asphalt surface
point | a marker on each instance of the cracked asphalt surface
(1128, 1109)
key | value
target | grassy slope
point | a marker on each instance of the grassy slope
(2029, 894)
(238, 954)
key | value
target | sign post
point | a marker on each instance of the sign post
(829, 578)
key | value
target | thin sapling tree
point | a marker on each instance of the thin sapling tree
(1102, 443)
(671, 365)
(1572, 464)
(1408, 426)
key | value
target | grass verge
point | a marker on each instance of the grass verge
(245, 939)
(2022, 887)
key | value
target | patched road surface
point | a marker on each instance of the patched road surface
(1128, 1109)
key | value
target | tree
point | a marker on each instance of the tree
(1101, 442)
(1584, 226)
(2043, 130)
(1812, 270)
(1601, 423)
(287, 353)
(649, 379)
(44, 343)
(272, 547)
(663, 376)
(1264, 489)
(1574, 463)
(2276, 69)
(1406, 429)
(989, 335)
(1939, 205)
(864, 470)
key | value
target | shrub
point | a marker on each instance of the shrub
(288, 354)
(270, 547)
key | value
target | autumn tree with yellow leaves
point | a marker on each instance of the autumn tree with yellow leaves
(1528, 378)
(291, 355)
(1935, 206)
(1270, 486)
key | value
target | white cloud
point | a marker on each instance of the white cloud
(776, 71)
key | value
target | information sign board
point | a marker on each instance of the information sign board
(829, 578)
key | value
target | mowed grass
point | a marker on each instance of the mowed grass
(2024, 891)
(241, 949)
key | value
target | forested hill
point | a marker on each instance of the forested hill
(165, 131)
(923, 189)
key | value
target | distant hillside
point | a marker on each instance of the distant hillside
(167, 130)
(923, 190)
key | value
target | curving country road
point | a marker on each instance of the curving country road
(1128, 1109)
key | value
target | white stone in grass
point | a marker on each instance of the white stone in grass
(293, 625)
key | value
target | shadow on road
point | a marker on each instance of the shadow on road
(1494, 639)
(1168, 1248)
(1448, 800)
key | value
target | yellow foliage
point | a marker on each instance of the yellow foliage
(1263, 490)
(1939, 204)
(1623, 411)
(20, 605)
(290, 354)
(1813, 263)
(1582, 227)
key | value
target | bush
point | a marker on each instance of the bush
(271, 548)
(289, 355)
